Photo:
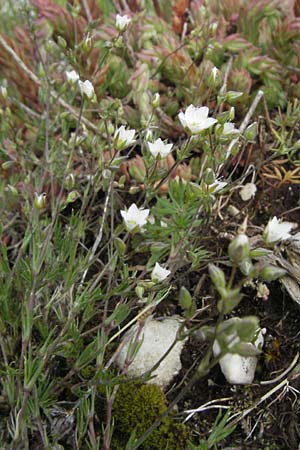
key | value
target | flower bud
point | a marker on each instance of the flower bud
(70, 181)
(87, 44)
(271, 273)
(134, 190)
(3, 92)
(185, 299)
(230, 96)
(231, 113)
(39, 200)
(251, 132)
(137, 172)
(61, 42)
(239, 248)
(155, 100)
(122, 23)
(213, 28)
(217, 276)
(120, 246)
(214, 80)
(119, 43)
(50, 45)
(139, 290)
(110, 128)
(72, 196)
(246, 267)
(121, 181)
(209, 176)
(149, 135)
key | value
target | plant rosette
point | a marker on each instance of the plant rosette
(155, 339)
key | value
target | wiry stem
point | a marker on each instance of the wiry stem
(100, 232)
(53, 93)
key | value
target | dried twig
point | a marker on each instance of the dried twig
(284, 373)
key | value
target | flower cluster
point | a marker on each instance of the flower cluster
(86, 88)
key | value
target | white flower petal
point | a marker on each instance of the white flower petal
(122, 22)
(159, 273)
(181, 117)
(86, 88)
(123, 138)
(228, 128)
(276, 231)
(135, 217)
(195, 119)
(159, 148)
(72, 76)
(217, 186)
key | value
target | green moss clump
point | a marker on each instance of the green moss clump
(136, 407)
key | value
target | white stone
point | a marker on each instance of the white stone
(239, 369)
(157, 336)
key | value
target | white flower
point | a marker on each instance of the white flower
(277, 231)
(87, 89)
(122, 22)
(159, 148)
(217, 186)
(159, 273)
(248, 191)
(123, 138)
(229, 129)
(135, 217)
(195, 119)
(72, 76)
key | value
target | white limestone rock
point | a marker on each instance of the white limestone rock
(157, 336)
(239, 369)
